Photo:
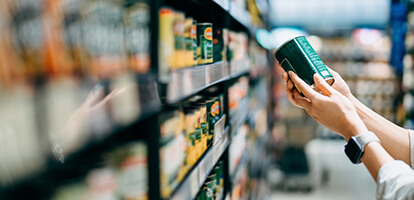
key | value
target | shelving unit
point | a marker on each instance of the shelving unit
(156, 98)
(197, 176)
(189, 81)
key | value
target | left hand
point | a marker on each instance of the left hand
(330, 108)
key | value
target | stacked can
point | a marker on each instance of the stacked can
(204, 43)
(213, 187)
(297, 55)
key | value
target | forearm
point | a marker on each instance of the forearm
(375, 157)
(394, 139)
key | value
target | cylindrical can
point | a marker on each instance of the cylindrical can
(205, 43)
(297, 55)
(137, 35)
(179, 40)
(194, 43)
(218, 44)
(166, 42)
(189, 54)
(209, 191)
(202, 194)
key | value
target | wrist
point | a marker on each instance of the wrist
(355, 130)
(355, 148)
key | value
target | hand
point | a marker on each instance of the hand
(330, 108)
(339, 84)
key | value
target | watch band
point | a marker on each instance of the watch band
(365, 138)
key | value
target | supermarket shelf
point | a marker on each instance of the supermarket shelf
(241, 167)
(188, 81)
(242, 16)
(84, 156)
(189, 188)
(239, 67)
(239, 116)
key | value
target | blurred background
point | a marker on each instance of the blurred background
(164, 99)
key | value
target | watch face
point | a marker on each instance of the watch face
(353, 151)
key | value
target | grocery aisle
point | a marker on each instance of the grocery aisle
(182, 100)
(345, 181)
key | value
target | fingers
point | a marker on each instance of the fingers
(289, 85)
(288, 82)
(301, 101)
(94, 96)
(322, 85)
(302, 86)
(285, 76)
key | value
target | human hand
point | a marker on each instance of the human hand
(330, 108)
(339, 84)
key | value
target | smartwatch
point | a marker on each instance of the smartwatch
(356, 145)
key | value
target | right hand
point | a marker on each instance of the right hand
(339, 85)
(329, 107)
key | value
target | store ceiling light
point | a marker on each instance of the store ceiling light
(280, 35)
(367, 37)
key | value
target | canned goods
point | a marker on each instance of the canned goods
(209, 190)
(138, 37)
(297, 55)
(178, 60)
(205, 43)
(104, 38)
(213, 179)
(166, 42)
(189, 54)
(211, 120)
(202, 194)
(194, 42)
(218, 44)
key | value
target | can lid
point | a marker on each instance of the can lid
(284, 43)
(204, 23)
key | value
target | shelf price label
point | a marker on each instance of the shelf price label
(219, 130)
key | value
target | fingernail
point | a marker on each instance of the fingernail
(291, 73)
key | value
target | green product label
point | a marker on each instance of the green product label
(188, 44)
(179, 42)
(205, 41)
(313, 57)
(206, 48)
(198, 134)
(204, 128)
(287, 66)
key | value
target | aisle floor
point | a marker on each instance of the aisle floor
(345, 180)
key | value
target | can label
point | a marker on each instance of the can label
(297, 55)
(218, 43)
(138, 37)
(194, 42)
(205, 43)
(314, 58)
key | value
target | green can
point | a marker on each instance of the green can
(204, 43)
(209, 191)
(297, 55)
(202, 194)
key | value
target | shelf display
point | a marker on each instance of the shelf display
(187, 133)
(405, 107)
(371, 79)
(125, 99)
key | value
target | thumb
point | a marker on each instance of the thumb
(322, 85)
